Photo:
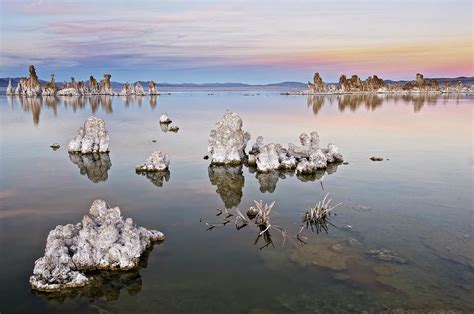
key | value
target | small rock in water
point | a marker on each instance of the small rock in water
(102, 240)
(154, 141)
(164, 118)
(156, 162)
(387, 256)
(173, 128)
(345, 163)
(55, 146)
(206, 157)
(374, 158)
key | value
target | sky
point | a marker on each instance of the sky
(262, 41)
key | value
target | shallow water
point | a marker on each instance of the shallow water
(417, 203)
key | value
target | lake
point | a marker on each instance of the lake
(416, 205)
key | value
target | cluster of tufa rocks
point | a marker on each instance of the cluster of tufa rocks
(31, 87)
(228, 141)
(374, 84)
(92, 138)
(165, 124)
(102, 240)
(306, 159)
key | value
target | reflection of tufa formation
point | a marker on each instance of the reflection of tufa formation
(95, 166)
(31, 87)
(103, 240)
(374, 84)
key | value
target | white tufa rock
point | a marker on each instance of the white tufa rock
(70, 91)
(307, 158)
(139, 91)
(156, 162)
(164, 118)
(92, 138)
(103, 240)
(9, 90)
(268, 159)
(228, 141)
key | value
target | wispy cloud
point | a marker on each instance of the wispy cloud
(271, 38)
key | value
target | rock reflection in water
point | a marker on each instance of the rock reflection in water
(106, 285)
(95, 166)
(229, 181)
(353, 102)
(158, 178)
(268, 180)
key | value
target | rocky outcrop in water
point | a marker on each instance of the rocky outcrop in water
(139, 91)
(102, 240)
(105, 88)
(51, 87)
(157, 161)
(95, 166)
(317, 86)
(29, 87)
(10, 91)
(152, 88)
(93, 86)
(374, 84)
(227, 142)
(92, 138)
(127, 90)
(307, 158)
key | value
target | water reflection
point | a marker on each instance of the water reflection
(95, 166)
(229, 181)
(375, 101)
(104, 102)
(158, 178)
(268, 180)
(105, 285)
(316, 102)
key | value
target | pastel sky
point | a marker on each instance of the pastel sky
(236, 41)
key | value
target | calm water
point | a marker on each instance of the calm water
(418, 203)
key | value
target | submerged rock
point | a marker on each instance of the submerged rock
(92, 138)
(227, 141)
(95, 166)
(387, 256)
(157, 161)
(103, 240)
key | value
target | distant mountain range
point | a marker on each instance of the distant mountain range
(282, 85)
